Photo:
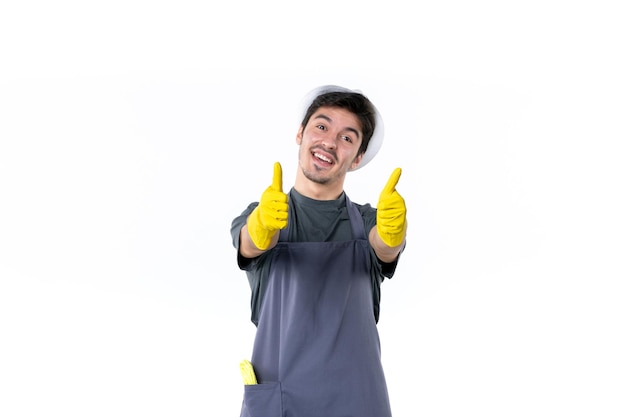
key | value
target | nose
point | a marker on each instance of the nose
(330, 141)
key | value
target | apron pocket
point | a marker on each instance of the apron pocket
(262, 400)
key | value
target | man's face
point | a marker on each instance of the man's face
(329, 144)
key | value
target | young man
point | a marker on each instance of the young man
(315, 262)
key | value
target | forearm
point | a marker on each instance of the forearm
(383, 251)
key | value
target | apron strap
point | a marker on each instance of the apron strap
(356, 221)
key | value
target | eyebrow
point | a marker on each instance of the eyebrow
(328, 119)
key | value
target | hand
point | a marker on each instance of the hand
(271, 214)
(391, 213)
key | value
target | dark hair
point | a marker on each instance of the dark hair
(356, 103)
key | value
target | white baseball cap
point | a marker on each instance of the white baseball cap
(376, 140)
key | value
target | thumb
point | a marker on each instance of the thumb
(277, 181)
(392, 181)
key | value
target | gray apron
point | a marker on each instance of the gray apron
(316, 351)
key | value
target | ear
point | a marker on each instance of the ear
(356, 162)
(299, 135)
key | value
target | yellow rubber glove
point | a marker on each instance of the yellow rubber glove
(271, 214)
(247, 372)
(391, 212)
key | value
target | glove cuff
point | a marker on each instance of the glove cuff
(261, 237)
(392, 239)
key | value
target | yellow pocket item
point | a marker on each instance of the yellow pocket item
(391, 212)
(271, 214)
(247, 372)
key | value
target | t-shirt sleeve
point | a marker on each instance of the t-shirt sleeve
(369, 219)
(235, 230)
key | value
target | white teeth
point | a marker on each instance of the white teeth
(322, 157)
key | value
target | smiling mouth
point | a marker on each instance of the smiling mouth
(322, 158)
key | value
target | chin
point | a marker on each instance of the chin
(315, 177)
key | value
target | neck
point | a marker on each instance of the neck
(327, 191)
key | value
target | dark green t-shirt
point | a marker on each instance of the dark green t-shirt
(310, 221)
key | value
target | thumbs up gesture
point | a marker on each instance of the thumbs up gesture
(271, 214)
(391, 213)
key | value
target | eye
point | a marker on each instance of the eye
(347, 138)
(321, 127)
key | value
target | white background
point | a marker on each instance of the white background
(133, 132)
